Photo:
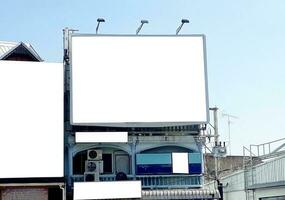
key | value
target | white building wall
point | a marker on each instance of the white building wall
(234, 186)
(235, 195)
(269, 192)
(270, 172)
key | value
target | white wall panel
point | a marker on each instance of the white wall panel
(31, 119)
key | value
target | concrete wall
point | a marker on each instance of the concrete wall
(227, 165)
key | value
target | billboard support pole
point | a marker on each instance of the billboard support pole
(68, 132)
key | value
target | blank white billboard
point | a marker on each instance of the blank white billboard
(31, 119)
(139, 79)
(107, 190)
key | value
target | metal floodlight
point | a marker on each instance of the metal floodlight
(183, 21)
(144, 21)
(140, 27)
(99, 20)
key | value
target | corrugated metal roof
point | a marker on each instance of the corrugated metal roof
(6, 48)
(180, 194)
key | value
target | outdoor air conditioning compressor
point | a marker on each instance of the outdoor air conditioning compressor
(94, 166)
(94, 154)
(91, 176)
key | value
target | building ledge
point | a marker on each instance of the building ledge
(266, 185)
(31, 181)
(180, 194)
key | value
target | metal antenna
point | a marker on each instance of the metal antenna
(140, 27)
(183, 21)
(99, 20)
(229, 117)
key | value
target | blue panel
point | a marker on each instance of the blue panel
(154, 169)
(195, 168)
(195, 158)
(158, 158)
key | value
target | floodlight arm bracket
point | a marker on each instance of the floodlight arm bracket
(179, 28)
(97, 27)
(139, 29)
(183, 21)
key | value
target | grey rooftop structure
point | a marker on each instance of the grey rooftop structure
(18, 51)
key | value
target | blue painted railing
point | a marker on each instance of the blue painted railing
(156, 181)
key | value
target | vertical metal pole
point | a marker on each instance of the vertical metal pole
(133, 161)
(67, 126)
(216, 136)
(263, 146)
(251, 164)
(220, 188)
(229, 128)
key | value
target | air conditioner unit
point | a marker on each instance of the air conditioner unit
(94, 154)
(94, 166)
(91, 176)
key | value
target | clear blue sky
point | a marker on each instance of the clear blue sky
(245, 47)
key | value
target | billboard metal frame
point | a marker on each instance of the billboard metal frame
(70, 128)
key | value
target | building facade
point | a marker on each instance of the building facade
(263, 181)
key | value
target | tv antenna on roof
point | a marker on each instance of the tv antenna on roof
(229, 119)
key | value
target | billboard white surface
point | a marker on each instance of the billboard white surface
(31, 119)
(139, 79)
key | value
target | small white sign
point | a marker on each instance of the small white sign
(180, 163)
(96, 137)
(107, 190)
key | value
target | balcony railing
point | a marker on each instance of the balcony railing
(156, 181)
(170, 181)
